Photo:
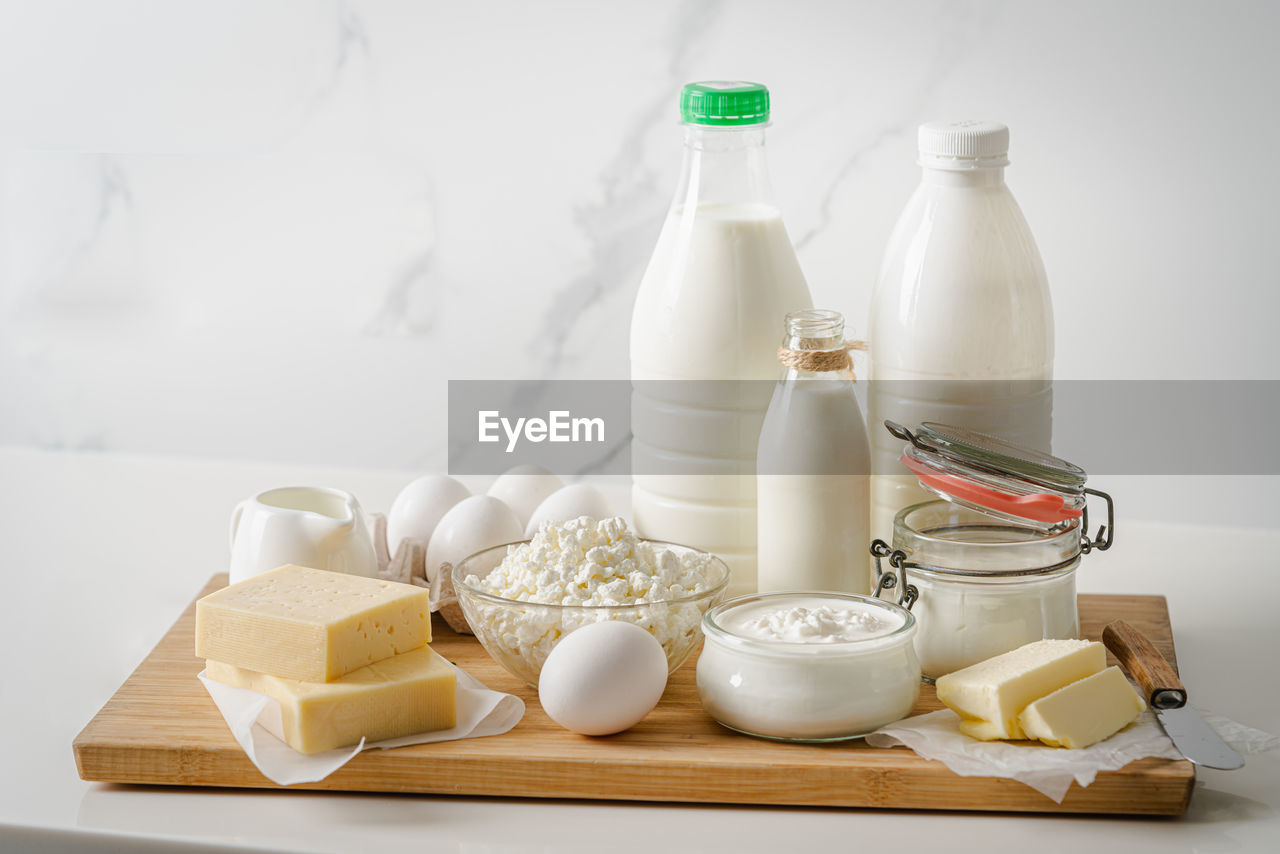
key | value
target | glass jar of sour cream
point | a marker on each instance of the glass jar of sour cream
(808, 666)
(984, 586)
(992, 565)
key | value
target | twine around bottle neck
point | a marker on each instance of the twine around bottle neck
(822, 361)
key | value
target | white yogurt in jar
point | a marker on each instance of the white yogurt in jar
(986, 586)
(967, 620)
(808, 666)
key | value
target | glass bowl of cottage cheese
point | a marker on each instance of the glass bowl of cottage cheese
(522, 598)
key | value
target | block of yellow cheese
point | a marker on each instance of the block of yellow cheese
(408, 693)
(991, 694)
(1084, 712)
(310, 624)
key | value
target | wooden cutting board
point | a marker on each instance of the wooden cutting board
(161, 728)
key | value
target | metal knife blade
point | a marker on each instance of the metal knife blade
(1196, 739)
(1168, 698)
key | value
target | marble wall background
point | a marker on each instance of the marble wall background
(274, 230)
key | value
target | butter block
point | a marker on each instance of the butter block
(408, 693)
(310, 624)
(1084, 712)
(991, 694)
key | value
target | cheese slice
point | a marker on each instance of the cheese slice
(406, 694)
(310, 624)
(991, 694)
(1084, 712)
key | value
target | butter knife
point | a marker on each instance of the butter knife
(1166, 695)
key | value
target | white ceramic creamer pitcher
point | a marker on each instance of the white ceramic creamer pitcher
(304, 525)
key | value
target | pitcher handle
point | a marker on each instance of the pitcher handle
(354, 510)
(235, 520)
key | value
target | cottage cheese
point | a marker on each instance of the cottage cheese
(590, 563)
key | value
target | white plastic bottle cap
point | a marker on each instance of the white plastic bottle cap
(968, 144)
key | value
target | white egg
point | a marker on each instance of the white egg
(603, 678)
(569, 503)
(523, 488)
(419, 508)
(473, 524)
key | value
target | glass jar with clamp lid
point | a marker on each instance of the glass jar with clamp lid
(992, 562)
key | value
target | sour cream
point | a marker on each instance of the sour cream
(967, 620)
(811, 619)
(808, 666)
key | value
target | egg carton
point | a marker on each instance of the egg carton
(409, 566)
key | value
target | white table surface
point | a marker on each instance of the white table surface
(102, 552)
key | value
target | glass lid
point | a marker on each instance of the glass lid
(980, 448)
(993, 476)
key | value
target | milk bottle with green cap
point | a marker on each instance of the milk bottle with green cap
(721, 278)
(961, 325)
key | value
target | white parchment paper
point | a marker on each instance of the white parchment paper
(1050, 770)
(254, 720)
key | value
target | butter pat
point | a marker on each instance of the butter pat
(309, 624)
(1083, 712)
(406, 694)
(991, 694)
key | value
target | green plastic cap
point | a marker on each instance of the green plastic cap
(724, 103)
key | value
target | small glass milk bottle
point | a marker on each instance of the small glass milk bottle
(813, 466)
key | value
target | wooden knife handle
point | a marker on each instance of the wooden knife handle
(1145, 664)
